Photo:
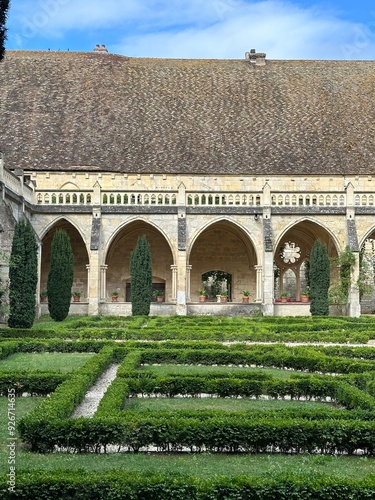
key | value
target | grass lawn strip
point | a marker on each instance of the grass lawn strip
(45, 361)
(222, 404)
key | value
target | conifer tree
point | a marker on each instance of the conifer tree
(23, 275)
(60, 277)
(141, 278)
(319, 277)
(4, 6)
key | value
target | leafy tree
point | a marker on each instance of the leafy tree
(60, 277)
(4, 6)
(23, 275)
(141, 278)
(319, 276)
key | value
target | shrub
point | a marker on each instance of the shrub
(141, 278)
(23, 275)
(60, 277)
(319, 278)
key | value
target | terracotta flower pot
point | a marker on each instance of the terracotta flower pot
(114, 298)
(202, 298)
(245, 299)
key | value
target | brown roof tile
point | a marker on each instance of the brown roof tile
(65, 110)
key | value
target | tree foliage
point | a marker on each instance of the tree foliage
(141, 278)
(4, 6)
(319, 276)
(60, 277)
(23, 275)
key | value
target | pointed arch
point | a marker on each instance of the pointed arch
(223, 244)
(292, 251)
(122, 243)
(80, 252)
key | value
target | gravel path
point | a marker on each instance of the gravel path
(92, 398)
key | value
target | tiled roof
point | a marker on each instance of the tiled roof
(65, 110)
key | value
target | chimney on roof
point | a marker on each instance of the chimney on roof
(256, 58)
(100, 49)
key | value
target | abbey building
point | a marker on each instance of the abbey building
(231, 168)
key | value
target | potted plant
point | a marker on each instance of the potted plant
(305, 296)
(115, 295)
(284, 297)
(159, 294)
(43, 295)
(245, 296)
(76, 296)
(202, 295)
(223, 296)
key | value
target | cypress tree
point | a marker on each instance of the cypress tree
(60, 277)
(4, 6)
(141, 277)
(319, 277)
(23, 275)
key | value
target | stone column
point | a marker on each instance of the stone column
(188, 273)
(88, 281)
(354, 304)
(183, 283)
(258, 297)
(352, 241)
(174, 270)
(93, 283)
(181, 309)
(38, 289)
(103, 283)
(268, 281)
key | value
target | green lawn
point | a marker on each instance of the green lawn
(165, 370)
(48, 361)
(222, 404)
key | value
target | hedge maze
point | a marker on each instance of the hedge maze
(342, 377)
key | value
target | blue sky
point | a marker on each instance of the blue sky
(336, 29)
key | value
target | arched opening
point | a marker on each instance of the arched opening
(118, 260)
(292, 258)
(224, 247)
(81, 258)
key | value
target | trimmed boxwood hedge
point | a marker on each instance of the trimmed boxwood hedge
(48, 425)
(36, 383)
(147, 486)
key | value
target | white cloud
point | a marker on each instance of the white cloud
(196, 28)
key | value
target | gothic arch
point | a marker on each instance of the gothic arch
(81, 256)
(241, 230)
(117, 257)
(224, 245)
(323, 229)
(129, 223)
(292, 254)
